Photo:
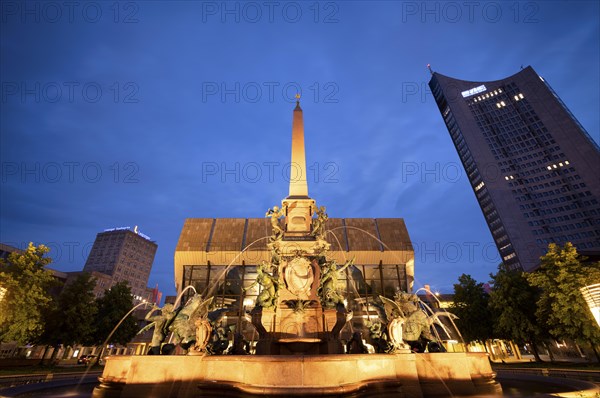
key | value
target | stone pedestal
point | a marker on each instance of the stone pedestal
(299, 212)
(285, 332)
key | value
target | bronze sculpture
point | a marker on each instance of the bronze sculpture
(328, 287)
(268, 295)
(275, 213)
(161, 324)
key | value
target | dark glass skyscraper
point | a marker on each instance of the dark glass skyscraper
(533, 168)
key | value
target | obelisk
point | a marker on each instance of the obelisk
(298, 185)
(299, 207)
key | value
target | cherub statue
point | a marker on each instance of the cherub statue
(270, 285)
(408, 302)
(275, 213)
(319, 223)
(275, 249)
(161, 324)
(328, 287)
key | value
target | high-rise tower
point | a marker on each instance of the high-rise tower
(124, 255)
(532, 166)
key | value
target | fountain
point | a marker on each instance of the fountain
(298, 316)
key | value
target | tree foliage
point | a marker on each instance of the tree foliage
(512, 300)
(72, 321)
(112, 307)
(561, 305)
(27, 298)
(471, 306)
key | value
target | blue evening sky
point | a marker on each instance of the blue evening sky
(148, 112)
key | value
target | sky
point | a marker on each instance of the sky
(150, 112)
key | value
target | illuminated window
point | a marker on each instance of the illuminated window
(473, 91)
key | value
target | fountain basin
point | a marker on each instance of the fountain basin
(415, 375)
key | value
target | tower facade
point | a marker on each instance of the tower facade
(532, 166)
(125, 255)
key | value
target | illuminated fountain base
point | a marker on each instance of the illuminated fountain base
(411, 375)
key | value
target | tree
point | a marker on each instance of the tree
(112, 307)
(27, 298)
(73, 319)
(561, 305)
(471, 306)
(512, 300)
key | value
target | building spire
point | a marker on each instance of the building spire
(298, 185)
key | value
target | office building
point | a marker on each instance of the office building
(125, 255)
(532, 166)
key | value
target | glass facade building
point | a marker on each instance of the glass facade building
(218, 257)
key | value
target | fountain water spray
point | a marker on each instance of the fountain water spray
(178, 300)
(451, 320)
(92, 363)
(208, 292)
